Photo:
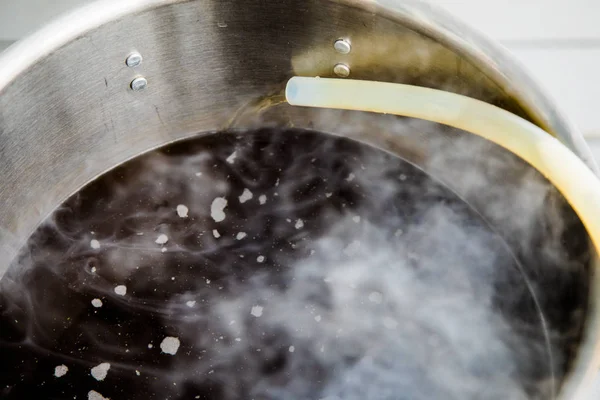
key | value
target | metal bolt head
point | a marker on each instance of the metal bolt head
(342, 46)
(134, 60)
(139, 83)
(341, 70)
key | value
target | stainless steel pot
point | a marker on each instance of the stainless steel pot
(71, 107)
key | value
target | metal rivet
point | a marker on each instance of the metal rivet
(134, 60)
(341, 70)
(139, 83)
(342, 46)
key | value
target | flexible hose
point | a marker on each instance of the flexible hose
(577, 183)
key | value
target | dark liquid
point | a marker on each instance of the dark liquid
(248, 323)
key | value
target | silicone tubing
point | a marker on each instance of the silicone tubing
(577, 183)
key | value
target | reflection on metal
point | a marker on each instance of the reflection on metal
(341, 70)
(342, 46)
(134, 60)
(139, 83)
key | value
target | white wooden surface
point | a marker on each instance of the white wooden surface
(530, 20)
(20, 17)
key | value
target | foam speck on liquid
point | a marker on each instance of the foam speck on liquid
(217, 209)
(162, 239)
(97, 303)
(100, 371)
(60, 370)
(256, 311)
(170, 345)
(245, 196)
(121, 290)
(182, 211)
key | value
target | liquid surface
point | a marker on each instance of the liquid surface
(282, 265)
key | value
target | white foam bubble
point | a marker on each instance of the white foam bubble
(162, 239)
(245, 196)
(232, 157)
(260, 259)
(190, 303)
(100, 371)
(94, 244)
(97, 303)
(262, 199)
(60, 370)
(256, 311)
(217, 207)
(291, 349)
(299, 224)
(170, 345)
(182, 211)
(121, 290)
(216, 233)
(93, 395)
(240, 235)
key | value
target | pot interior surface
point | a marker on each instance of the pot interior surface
(285, 263)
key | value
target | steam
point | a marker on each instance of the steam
(300, 266)
(378, 324)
